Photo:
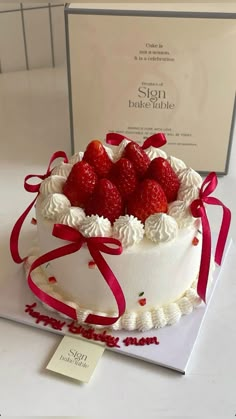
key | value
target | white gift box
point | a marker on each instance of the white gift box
(138, 69)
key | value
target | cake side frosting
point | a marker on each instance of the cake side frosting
(144, 267)
(131, 320)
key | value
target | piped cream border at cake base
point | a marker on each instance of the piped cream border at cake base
(130, 321)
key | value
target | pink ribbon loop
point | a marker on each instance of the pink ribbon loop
(114, 138)
(96, 246)
(35, 188)
(198, 211)
(155, 140)
(15, 234)
(197, 208)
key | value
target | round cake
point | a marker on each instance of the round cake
(134, 200)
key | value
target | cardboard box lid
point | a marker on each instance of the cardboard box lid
(174, 6)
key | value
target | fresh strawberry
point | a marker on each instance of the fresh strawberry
(161, 171)
(123, 175)
(138, 157)
(96, 155)
(149, 198)
(80, 184)
(106, 201)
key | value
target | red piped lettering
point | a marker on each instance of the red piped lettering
(88, 333)
(41, 318)
(141, 342)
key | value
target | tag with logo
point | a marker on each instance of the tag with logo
(76, 358)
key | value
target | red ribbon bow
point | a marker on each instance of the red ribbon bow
(156, 140)
(95, 245)
(14, 239)
(198, 211)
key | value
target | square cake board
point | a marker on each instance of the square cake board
(176, 342)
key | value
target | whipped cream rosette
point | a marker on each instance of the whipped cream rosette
(128, 229)
(53, 184)
(161, 228)
(187, 193)
(76, 157)
(190, 183)
(189, 177)
(111, 154)
(176, 164)
(95, 226)
(180, 211)
(120, 149)
(71, 216)
(62, 169)
(154, 152)
(53, 205)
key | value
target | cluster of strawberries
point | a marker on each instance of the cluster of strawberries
(133, 185)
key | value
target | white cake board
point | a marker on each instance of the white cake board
(176, 342)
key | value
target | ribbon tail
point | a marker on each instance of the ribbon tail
(205, 258)
(114, 287)
(15, 234)
(224, 229)
(42, 295)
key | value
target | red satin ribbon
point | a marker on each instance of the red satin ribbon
(14, 239)
(96, 246)
(156, 140)
(198, 211)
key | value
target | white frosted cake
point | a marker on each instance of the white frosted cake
(141, 200)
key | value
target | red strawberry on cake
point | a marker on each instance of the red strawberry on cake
(80, 184)
(123, 175)
(149, 198)
(96, 155)
(106, 201)
(161, 171)
(138, 157)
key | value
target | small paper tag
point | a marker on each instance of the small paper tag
(76, 358)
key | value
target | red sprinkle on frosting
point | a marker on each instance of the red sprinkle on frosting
(52, 279)
(142, 301)
(91, 264)
(195, 241)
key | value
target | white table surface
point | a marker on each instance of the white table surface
(33, 124)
